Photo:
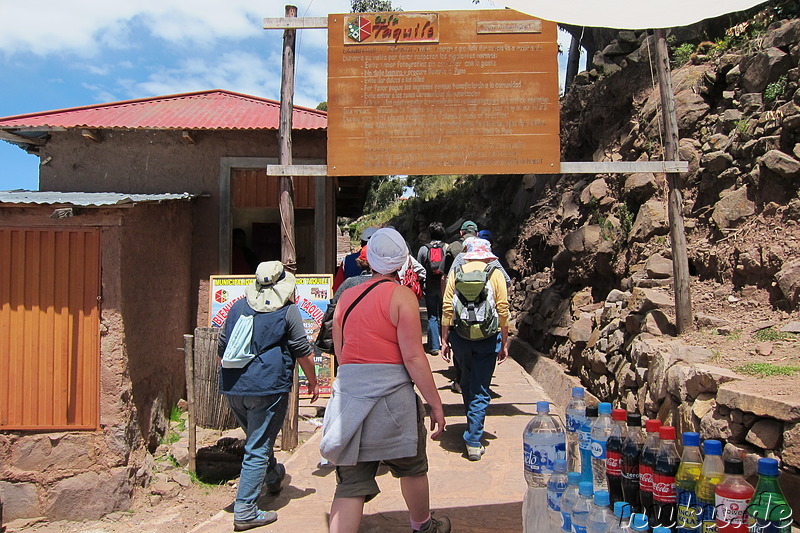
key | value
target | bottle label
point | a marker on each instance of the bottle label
(539, 459)
(578, 529)
(664, 488)
(613, 463)
(598, 449)
(689, 512)
(574, 422)
(646, 478)
(584, 440)
(554, 498)
(566, 522)
(731, 512)
(631, 473)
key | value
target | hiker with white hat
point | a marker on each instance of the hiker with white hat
(262, 338)
(475, 329)
(374, 416)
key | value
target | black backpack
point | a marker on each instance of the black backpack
(436, 257)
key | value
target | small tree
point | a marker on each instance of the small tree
(371, 6)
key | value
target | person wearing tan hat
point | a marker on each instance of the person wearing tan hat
(476, 348)
(374, 416)
(257, 383)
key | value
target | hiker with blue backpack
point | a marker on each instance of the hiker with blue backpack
(433, 256)
(475, 329)
(260, 342)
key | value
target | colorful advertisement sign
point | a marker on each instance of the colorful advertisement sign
(312, 294)
(391, 28)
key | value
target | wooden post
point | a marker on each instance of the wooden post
(289, 435)
(680, 258)
(188, 353)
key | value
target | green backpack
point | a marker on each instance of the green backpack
(474, 311)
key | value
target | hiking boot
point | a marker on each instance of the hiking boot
(274, 487)
(455, 387)
(263, 518)
(436, 526)
(474, 452)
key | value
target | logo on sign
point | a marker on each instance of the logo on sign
(597, 450)
(391, 28)
(220, 296)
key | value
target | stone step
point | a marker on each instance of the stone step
(773, 398)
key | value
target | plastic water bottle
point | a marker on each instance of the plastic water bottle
(556, 486)
(568, 500)
(686, 484)
(585, 442)
(580, 511)
(601, 429)
(544, 441)
(600, 516)
(769, 512)
(622, 518)
(576, 415)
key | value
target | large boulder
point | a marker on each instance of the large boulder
(784, 36)
(733, 208)
(651, 220)
(788, 279)
(764, 68)
(782, 164)
(690, 107)
(640, 186)
(90, 495)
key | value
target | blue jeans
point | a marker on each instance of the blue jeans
(261, 418)
(433, 305)
(477, 360)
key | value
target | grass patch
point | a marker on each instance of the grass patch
(767, 369)
(772, 334)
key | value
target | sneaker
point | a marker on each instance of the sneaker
(263, 518)
(436, 526)
(455, 387)
(274, 487)
(434, 353)
(474, 452)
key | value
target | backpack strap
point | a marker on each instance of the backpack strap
(360, 297)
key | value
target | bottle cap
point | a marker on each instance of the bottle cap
(578, 392)
(661, 529)
(560, 466)
(639, 522)
(542, 407)
(652, 425)
(712, 447)
(734, 466)
(619, 415)
(573, 478)
(585, 488)
(604, 408)
(690, 438)
(767, 467)
(622, 509)
(666, 433)
(602, 498)
(635, 419)
(591, 411)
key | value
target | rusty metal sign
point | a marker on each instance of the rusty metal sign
(480, 99)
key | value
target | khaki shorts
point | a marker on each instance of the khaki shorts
(359, 480)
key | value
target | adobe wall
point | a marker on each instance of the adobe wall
(87, 474)
(140, 161)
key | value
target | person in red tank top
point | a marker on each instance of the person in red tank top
(376, 326)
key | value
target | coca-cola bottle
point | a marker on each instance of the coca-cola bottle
(631, 452)
(664, 494)
(614, 454)
(647, 462)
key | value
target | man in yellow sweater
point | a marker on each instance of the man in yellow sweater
(475, 329)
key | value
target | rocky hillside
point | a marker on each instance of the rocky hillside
(591, 255)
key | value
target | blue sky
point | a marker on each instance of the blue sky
(71, 53)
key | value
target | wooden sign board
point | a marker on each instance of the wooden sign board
(453, 92)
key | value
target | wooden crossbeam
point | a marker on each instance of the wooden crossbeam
(295, 23)
(567, 167)
(8, 136)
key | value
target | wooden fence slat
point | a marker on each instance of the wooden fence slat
(211, 407)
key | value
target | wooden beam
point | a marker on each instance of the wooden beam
(187, 136)
(567, 167)
(8, 136)
(677, 232)
(93, 135)
(295, 23)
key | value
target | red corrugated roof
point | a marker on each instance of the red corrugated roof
(205, 110)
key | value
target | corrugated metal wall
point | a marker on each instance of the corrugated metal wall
(253, 188)
(49, 328)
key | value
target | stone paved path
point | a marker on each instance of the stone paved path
(479, 497)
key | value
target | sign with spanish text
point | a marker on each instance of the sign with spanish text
(453, 92)
(312, 294)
